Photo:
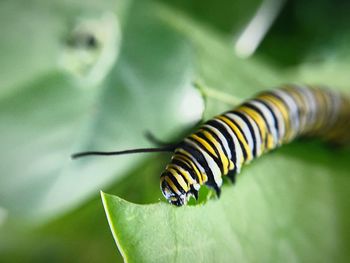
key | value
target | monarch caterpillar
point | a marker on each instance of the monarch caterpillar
(223, 144)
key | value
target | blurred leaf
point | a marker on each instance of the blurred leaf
(290, 205)
(305, 32)
(53, 116)
(34, 34)
(330, 72)
(215, 64)
(226, 16)
(81, 236)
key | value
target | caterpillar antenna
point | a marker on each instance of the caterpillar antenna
(139, 150)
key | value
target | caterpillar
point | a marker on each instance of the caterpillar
(222, 145)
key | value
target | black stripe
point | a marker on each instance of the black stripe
(285, 105)
(293, 97)
(192, 162)
(294, 116)
(196, 154)
(184, 165)
(307, 105)
(238, 126)
(216, 138)
(183, 177)
(322, 106)
(245, 155)
(273, 115)
(218, 158)
(327, 100)
(250, 127)
(221, 128)
(175, 182)
(259, 130)
(200, 145)
(259, 112)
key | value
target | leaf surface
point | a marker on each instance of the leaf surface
(289, 206)
(45, 120)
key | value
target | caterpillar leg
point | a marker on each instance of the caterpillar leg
(232, 176)
(217, 191)
(215, 187)
(157, 142)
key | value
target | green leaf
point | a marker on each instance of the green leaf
(226, 16)
(47, 119)
(29, 50)
(59, 94)
(289, 205)
(81, 236)
(286, 206)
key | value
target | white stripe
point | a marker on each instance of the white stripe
(212, 165)
(269, 118)
(194, 160)
(335, 106)
(167, 193)
(301, 117)
(332, 108)
(192, 181)
(257, 134)
(305, 116)
(293, 110)
(222, 139)
(280, 121)
(219, 147)
(238, 149)
(311, 103)
(243, 125)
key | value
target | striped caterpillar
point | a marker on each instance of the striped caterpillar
(223, 144)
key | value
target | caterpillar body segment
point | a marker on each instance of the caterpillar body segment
(222, 145)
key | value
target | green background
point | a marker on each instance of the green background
(61, 94)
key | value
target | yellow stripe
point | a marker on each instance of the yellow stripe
(283, 110)
(218, 133)
(205, 144)
(183, 172)
(179, 179)
(321, 111)
(171, 184)
(207, 147)
(261, 123)
(201, 176)
(301, 106)
(225, 161)
(239, 135)
(190, 163)
(328, 107)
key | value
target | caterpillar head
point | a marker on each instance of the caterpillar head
(174, 193)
